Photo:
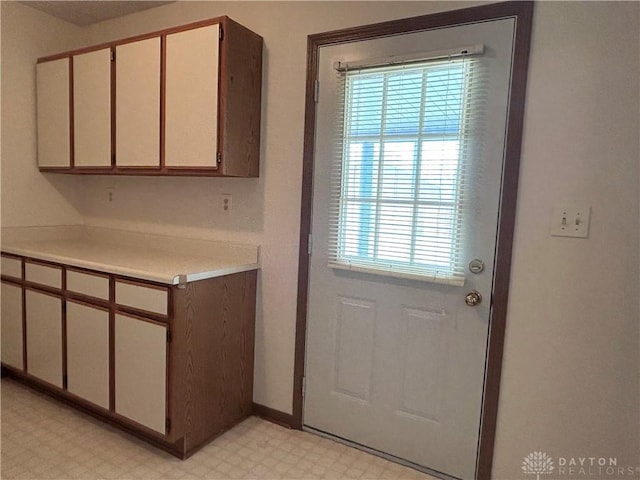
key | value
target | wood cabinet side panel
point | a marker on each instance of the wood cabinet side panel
(240, 100)
(212, 355)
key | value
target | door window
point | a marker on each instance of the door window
(398, 195)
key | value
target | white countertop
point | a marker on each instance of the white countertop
(162, 259)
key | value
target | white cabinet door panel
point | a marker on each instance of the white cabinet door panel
(11, 325)
(44, 337)
(138, 104)
(92, 108)
(141, 371)
(53, 120)
(88, 353)
(191, 136)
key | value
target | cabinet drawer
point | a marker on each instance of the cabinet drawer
(142, 297)
(89, 284)
(11, 267)
(43, 274)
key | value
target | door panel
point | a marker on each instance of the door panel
(92, 108)
(11, 325)
(44, 337)
(397, 365)
(191, 131)
(53, 119)
(141, 371)
(138, 104)
(355, 338)
(88, 353)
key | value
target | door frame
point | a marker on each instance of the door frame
(522, 12)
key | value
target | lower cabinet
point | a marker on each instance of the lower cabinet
(43, 313)
(11, 320)
(171, 364)
(88, 352)
(141, 371)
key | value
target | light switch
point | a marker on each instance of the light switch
(571, 221)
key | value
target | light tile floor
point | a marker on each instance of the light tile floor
(45, 439)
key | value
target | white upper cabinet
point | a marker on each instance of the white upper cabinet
(138, 104)
(180, 101)
(192, 98)
(53, 121)
(92, 108)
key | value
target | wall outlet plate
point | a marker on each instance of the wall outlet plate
(571, 221)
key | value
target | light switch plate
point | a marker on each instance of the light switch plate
(571, 221)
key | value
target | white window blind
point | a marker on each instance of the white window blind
(399, 184)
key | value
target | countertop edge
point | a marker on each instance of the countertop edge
(173, 279)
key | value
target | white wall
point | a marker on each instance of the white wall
(571, 364)
(571, 373)
(27, 197)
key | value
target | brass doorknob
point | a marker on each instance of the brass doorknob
(473, 298)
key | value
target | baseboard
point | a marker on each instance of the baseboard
(273, 415)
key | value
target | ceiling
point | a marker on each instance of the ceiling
(86, 12)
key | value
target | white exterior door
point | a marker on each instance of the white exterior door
(397, 364)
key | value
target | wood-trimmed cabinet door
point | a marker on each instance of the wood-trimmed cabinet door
(141, 371)
(53, 113)
(11, 325)
(138, 104)
(88, 352)
(92, 109)
(192, 72)
(44, 336)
